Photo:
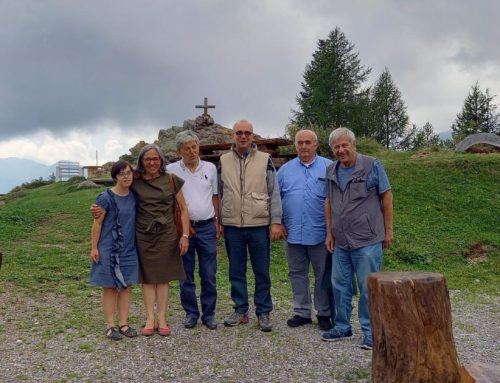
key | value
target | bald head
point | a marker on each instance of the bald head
(306, 145)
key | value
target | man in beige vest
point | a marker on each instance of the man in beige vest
(250, 216)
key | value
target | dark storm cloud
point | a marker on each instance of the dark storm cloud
(70, 64)
(73, 64)
(64, 68)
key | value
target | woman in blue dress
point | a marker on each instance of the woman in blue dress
(115, 265)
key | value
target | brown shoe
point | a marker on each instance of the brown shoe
(235, 319)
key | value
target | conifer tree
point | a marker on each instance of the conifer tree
(331, 90)
(478, 114)
(425, 137)
(390, 119)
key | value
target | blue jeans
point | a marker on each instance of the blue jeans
(204, 243)
(360, 261)
(256, 240)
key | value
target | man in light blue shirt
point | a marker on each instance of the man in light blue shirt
(303, 193)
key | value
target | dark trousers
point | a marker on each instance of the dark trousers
(327, 285)
(255, 241)
(204, 243)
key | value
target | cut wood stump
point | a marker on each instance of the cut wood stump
(410, 316)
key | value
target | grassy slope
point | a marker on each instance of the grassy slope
(444, 203)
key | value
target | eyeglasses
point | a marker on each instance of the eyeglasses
(125, 174)
(306, 142)
(152, 159)
(240, 133)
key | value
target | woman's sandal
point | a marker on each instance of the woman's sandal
(129, 332)
(113, 333)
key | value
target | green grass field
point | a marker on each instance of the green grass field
(444, 205)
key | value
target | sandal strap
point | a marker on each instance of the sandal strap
(129, 332)
(113, 333)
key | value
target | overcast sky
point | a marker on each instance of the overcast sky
(81, 76)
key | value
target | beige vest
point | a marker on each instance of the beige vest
(245, 199)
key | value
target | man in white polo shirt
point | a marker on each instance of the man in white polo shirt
(200, 192)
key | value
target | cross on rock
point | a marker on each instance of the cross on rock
(205, 106)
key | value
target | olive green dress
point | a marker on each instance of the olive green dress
(156, 235)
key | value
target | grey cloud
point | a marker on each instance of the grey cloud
(67, 64)
(70, 64)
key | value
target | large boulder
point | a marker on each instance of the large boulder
(476, 139)
(87, 184)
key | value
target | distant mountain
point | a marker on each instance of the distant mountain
(445, 135)
(15, 171)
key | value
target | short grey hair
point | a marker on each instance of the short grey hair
(242, 121)
(339, 133)
(185, 136)
(140, 165)
(315, 136)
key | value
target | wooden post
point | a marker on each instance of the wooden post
(410, 316)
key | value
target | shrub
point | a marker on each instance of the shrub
(409, 255)
(33, 184)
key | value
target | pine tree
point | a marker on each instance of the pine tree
(425, 137)
(331, 93)
(478, 114)
(492, 123)
(390, 119)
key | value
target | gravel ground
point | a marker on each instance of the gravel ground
(241, 354)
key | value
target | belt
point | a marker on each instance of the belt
(202, 222)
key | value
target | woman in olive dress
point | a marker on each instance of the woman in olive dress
(159, 247)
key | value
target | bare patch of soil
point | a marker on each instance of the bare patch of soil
(420, 154)
(483, 148)
(477, 253)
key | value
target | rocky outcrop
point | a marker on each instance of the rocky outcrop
(208, 134)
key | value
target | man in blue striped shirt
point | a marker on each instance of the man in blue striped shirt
(303, 192)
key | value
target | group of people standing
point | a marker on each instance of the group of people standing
(317, 206)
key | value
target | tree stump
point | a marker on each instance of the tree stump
(410, 316)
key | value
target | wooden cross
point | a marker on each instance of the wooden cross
(205, 106)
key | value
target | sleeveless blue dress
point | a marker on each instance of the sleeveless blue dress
(118, 265)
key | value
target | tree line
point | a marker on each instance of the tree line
(333, 94)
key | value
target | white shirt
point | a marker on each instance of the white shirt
(198, 189)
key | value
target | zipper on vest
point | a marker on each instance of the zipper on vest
(242, 192)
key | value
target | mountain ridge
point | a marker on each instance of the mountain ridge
(15, 171)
